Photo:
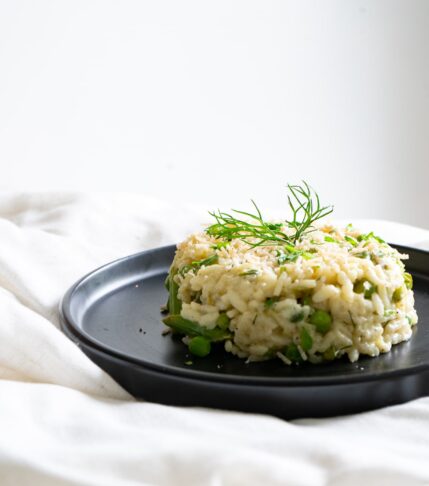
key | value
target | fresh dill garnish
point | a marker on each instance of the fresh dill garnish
(255, 233)
(306, 210)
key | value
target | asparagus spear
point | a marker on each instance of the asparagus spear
(190, 328)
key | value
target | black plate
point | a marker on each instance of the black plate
(113, 314)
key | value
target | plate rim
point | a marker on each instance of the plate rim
(69, 326)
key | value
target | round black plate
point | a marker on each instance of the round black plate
(113, 314)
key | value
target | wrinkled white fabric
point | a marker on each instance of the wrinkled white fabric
(64, 421)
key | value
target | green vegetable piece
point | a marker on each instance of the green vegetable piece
(330, 354)
(364, 287)
(219, 245)
(185, 269)
(398, 294)
(199, 346)
(351, 240)
(270, 302)
(359, 287)
(329, 239)
(371, 288)
(292, 352)
(167, 282)
(223, 321)
(367, 236)
(408, 279)
(362, 254)
(211, 260)
(174, 303)
(306, 339)
(190, 328)
(389, 312)
(297, 317)
(322, 320)
(286, 257)
(249, 273)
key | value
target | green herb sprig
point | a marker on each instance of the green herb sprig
(305, 205)
(255, 231)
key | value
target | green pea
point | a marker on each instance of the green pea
(398, 294)
(358, 286)
(306, 339)
(371, 288)
(199, 346)
(223, 321)
(292, 352)
(322, 320)
(364, 287)
(408, 279)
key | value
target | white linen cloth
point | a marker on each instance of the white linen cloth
(64, 421)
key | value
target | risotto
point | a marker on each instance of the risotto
(332, 292)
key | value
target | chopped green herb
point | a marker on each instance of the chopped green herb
(389, 312)
(189, 363)
(221, 244)
(206, 262)
(270, 302)
(367, 236)
(362, 254)
(196, 265)
(291, 255)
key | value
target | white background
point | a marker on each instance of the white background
(218, 102)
